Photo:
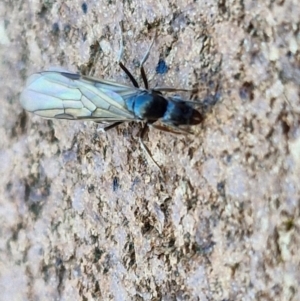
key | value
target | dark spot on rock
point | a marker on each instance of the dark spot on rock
(116, 184)
(84, 7)
(161, 67)
(55, 28)
(246, 91)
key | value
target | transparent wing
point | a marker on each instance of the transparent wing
(65, 95)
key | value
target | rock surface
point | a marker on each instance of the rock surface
(85, 215)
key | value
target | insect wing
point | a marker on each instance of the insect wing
(66, 95)
(121, 89)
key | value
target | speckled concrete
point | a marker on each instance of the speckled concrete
(84, 215)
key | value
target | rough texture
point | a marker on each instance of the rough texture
(84, 215)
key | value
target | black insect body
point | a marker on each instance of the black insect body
(152, 106)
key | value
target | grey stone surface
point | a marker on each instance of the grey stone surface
(222, 223)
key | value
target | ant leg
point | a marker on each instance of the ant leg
(167, 90)
(128, 73)
(144, 147)
(143, 73)
(121, 51)
(111, 126)
(171, 128)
